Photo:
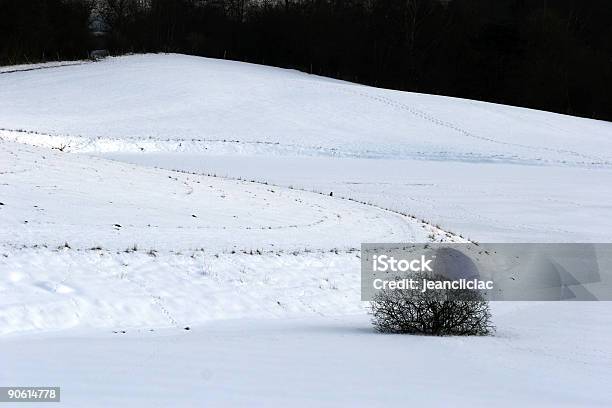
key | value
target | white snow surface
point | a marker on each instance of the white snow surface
(107, 253)
(534, 361)
(51, 198)
(87, 241)
(493, 172)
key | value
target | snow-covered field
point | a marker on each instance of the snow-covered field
(492, 172)
(534, 360)
(107, 253)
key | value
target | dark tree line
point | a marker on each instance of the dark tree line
(41, 30)
(554, 55)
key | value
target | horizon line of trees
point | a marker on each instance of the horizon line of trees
(554, 56)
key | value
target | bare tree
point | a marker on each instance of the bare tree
(437, 312)
(118, 13)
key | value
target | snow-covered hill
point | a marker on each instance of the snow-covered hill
(493, 172)
(252, 244)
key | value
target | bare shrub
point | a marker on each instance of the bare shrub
(439, 312)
